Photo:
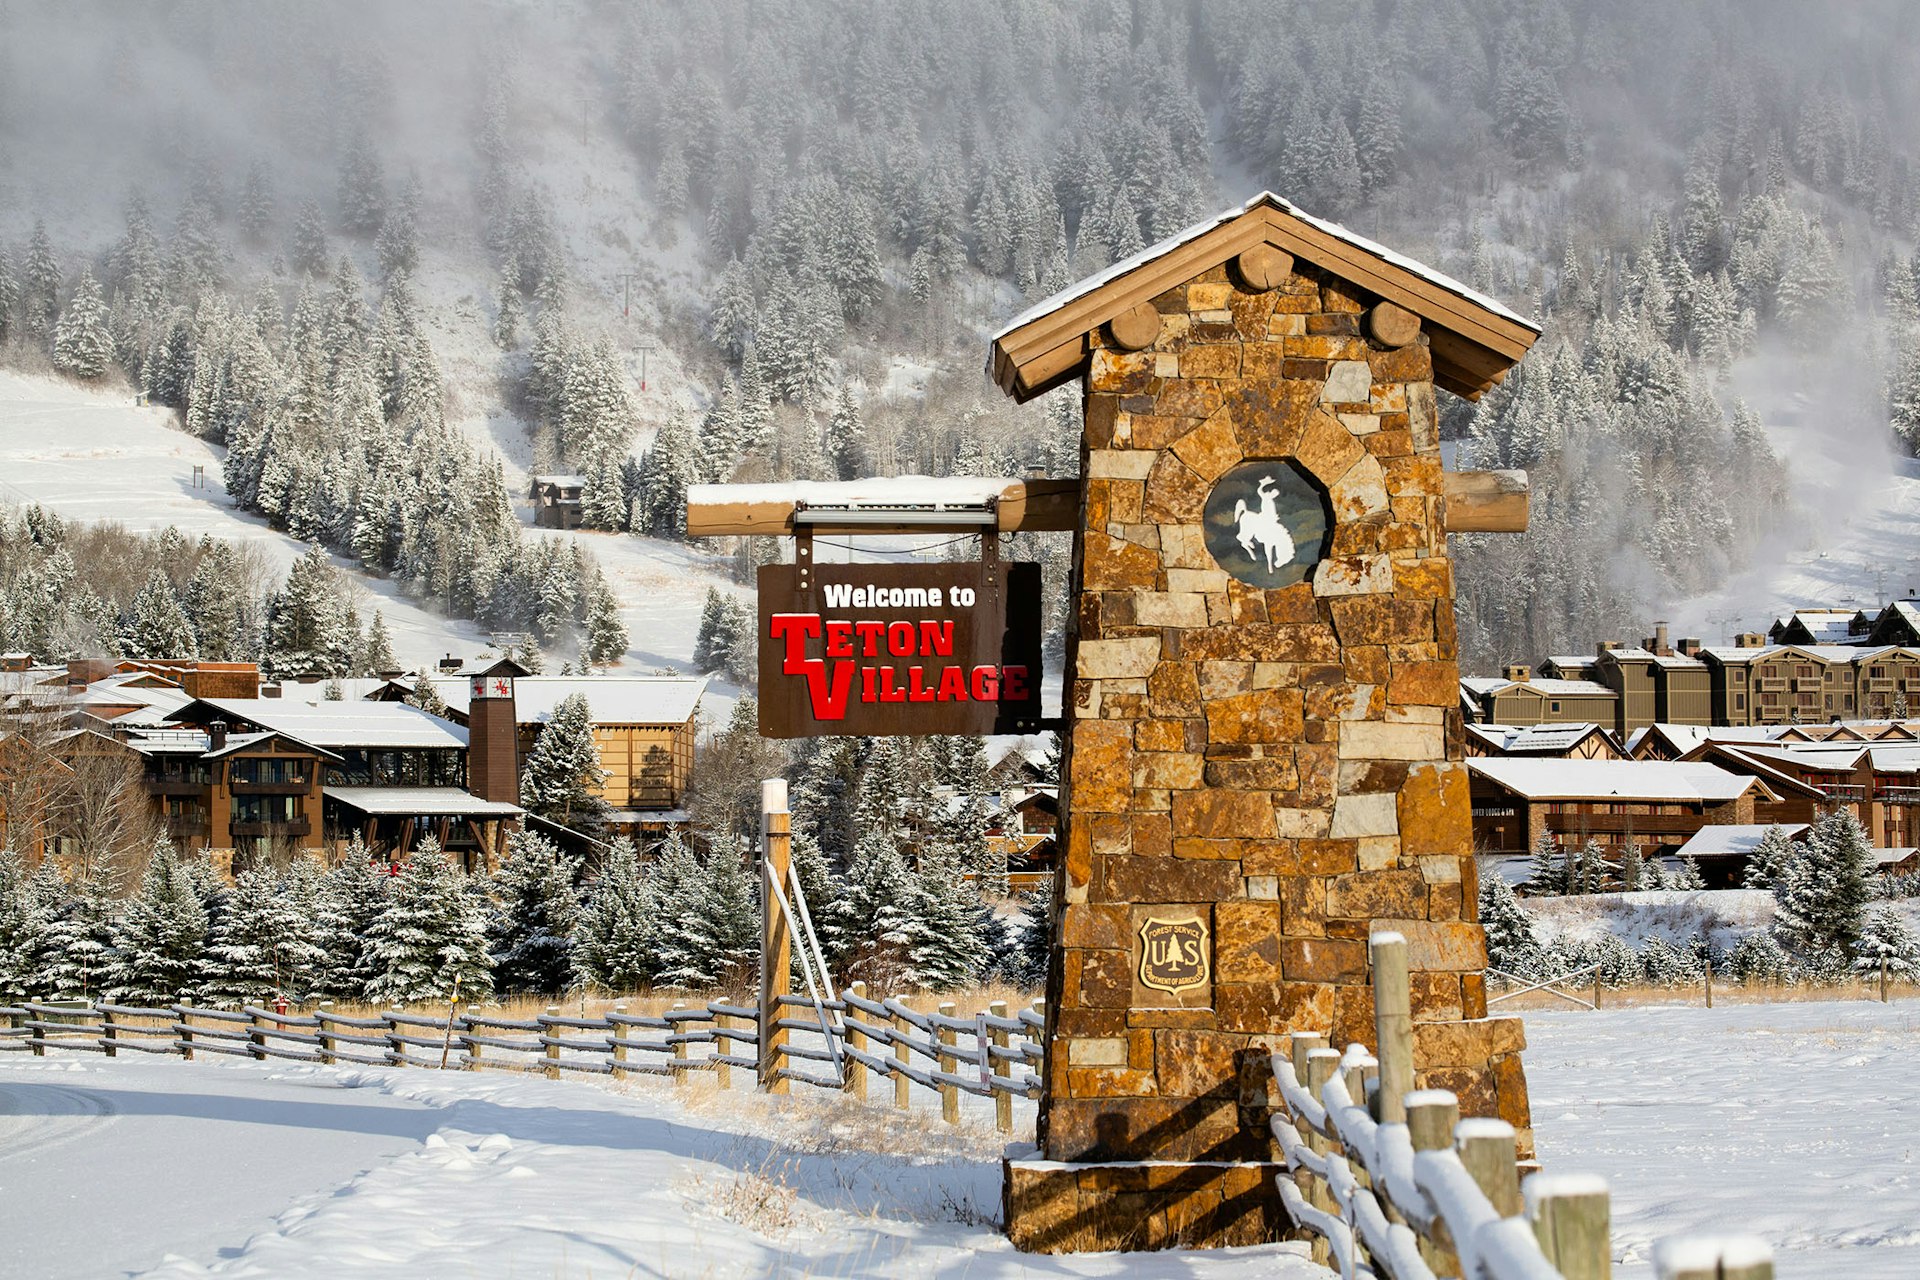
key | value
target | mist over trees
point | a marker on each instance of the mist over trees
(327, 227)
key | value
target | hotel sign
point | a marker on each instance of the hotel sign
(903, 650)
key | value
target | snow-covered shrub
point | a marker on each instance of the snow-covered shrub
(1760, 961)
(1666, 965)
(1511, 942)
(1887, 938)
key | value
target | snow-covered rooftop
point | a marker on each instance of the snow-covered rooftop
(1646, 780)
(1100, 279)
(612, 699)
(389, 726)
(421, 802)
(1525, 739)
(1733, 840)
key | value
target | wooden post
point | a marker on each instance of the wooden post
(776, 933)
(108, 1034)
(1883, 982)
(1432, 1116)
(474, 1054)
(1571, 1219)
(257, 1037)
(1707, 973)
(395, 1049)
(722, 1045)
(619, 1067)
(1712, 1258)
(677, 1031)
(547, 1030)
(1322, 1066)
(901, 1098)
(856, 1086)
(184, 1008)
(1002, 1100)
(1596, 988)
(37, 1035)
(1392, 1026)
(1487, 1150)
(949, 1095)
(323, 1014)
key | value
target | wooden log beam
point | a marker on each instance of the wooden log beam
(715, 511)
(1477, 502)
(1486, 501)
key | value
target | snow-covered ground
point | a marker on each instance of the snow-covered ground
(1794, 1121)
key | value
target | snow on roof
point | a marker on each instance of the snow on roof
(1482, 685)
(612, 699)
(879, 491)
(1899, 853)
(1569, 688)
(1735, 840)
(1522, 739)
(1651, 780)
(1198, 229)
(421, 802)
(389, 726)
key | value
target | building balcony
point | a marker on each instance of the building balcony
(288, 787)
(1621, 824)
(294, 829)
(177, 786)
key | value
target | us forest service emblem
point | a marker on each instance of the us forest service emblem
(1173, 954)
(1266, 523)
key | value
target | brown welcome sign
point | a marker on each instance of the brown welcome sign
(899, 650)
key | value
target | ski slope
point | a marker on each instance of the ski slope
(94, 456)
(1792, 1121)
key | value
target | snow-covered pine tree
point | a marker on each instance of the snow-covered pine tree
(256, 203)
(563, 773)
(536, 913)
(352, 898)
(1548, 870)
(426, 695)
(156, 625)
(309, 252)
(614, 943)
(82, 341)
(1886, 938)
(1511, 942)
(606, 639)
(707, 908)
(379, 647)
(263, 944)
(1688, 878)
(846, 436)
(1033, 941)
(1769, 860)
(1633, 867)
(24, 917)
(76, 948)
(945, 944)
(307, 632)
(431, 938)
(160, 939)
(40, 285)
(362, 187)
(1820, 902)
(875, 914)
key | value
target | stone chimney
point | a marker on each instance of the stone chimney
(1518, 672)
(1750, 640)
(217, 735)
(493, 733)
(1608, 646)
(1658, 645)
(1690, 646)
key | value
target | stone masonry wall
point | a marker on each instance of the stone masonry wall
(1283, 763)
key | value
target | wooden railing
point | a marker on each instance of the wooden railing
(989, 1053)
(1394, 1184)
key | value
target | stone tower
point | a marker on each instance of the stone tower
(493, 732)
(1263, 735)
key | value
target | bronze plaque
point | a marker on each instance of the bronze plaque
(1176, 955)
(899, 650)
(1266, 523)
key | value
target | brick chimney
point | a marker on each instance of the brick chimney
(217, 735)
(493, 733)
(1690, 646)
(1750, 640)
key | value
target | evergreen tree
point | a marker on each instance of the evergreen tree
(1886, 938)
(1820, 902)
(362, 187)
(426, 695)
(24, 916)
(310, 253)
(156, 626)
(1548, 873)
(1033, 946)
(606, 639)
(431, 938)
(160, 940)
(845, 445)
(379, 647)
(40, 285)
(1758, 960)
(876, 913)
(263, 944)
(614, 944)
(1511, 942)
(351, 901)
(82, 341)
(947, 945)
(714, 913)
(76, 948)
(563, 774)
(9, 295)
(537, 912)
(1768, 862)
(307, 630)
(256, 203)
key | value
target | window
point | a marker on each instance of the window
(1739, 702)
(1553, 706)
(1877, 673)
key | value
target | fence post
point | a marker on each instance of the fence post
(1392, 1026)
(902, 1029)
(1707, 973)
(722, 1045)
(776, 931)
(1883, 981)
(256, 1037)
(37, 1035)
(949, 1095)
(184, 1008)
(618, 1068)
(1713, 1258)
(323, 1014)
(1571, 1219)
(1596, 988)
(1002, 1100)
(1432, 1116)
(547, 1032)
(1322, 1065)
(1487, 1150)
(677, 1032)
(108, 1034)
(468, 1045)
(856, 1084)
(395, 1049)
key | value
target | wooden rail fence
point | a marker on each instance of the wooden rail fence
(990, 1053)
(1394, 1184)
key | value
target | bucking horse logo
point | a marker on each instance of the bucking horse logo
(1261, 527)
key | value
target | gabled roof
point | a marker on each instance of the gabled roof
(1656, 781)
(1542, 739)
(611, 699)
(379, 726)
(1733, 840)
(1474, 340)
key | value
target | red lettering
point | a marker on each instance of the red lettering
(986, 684)
(1013, 684)
(867, 693)
(870, 633)
(900, 639)
(953, 684)
(796, 629)
(917, 692)
(839, 639)
(936, 639)
(826, 692)
(887, 692)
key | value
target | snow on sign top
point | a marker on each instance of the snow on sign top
(1268, 198)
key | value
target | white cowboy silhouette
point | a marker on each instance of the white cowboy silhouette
(1263, 527)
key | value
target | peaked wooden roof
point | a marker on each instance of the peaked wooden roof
(1474, 339)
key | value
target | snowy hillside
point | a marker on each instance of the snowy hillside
(95, 456)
